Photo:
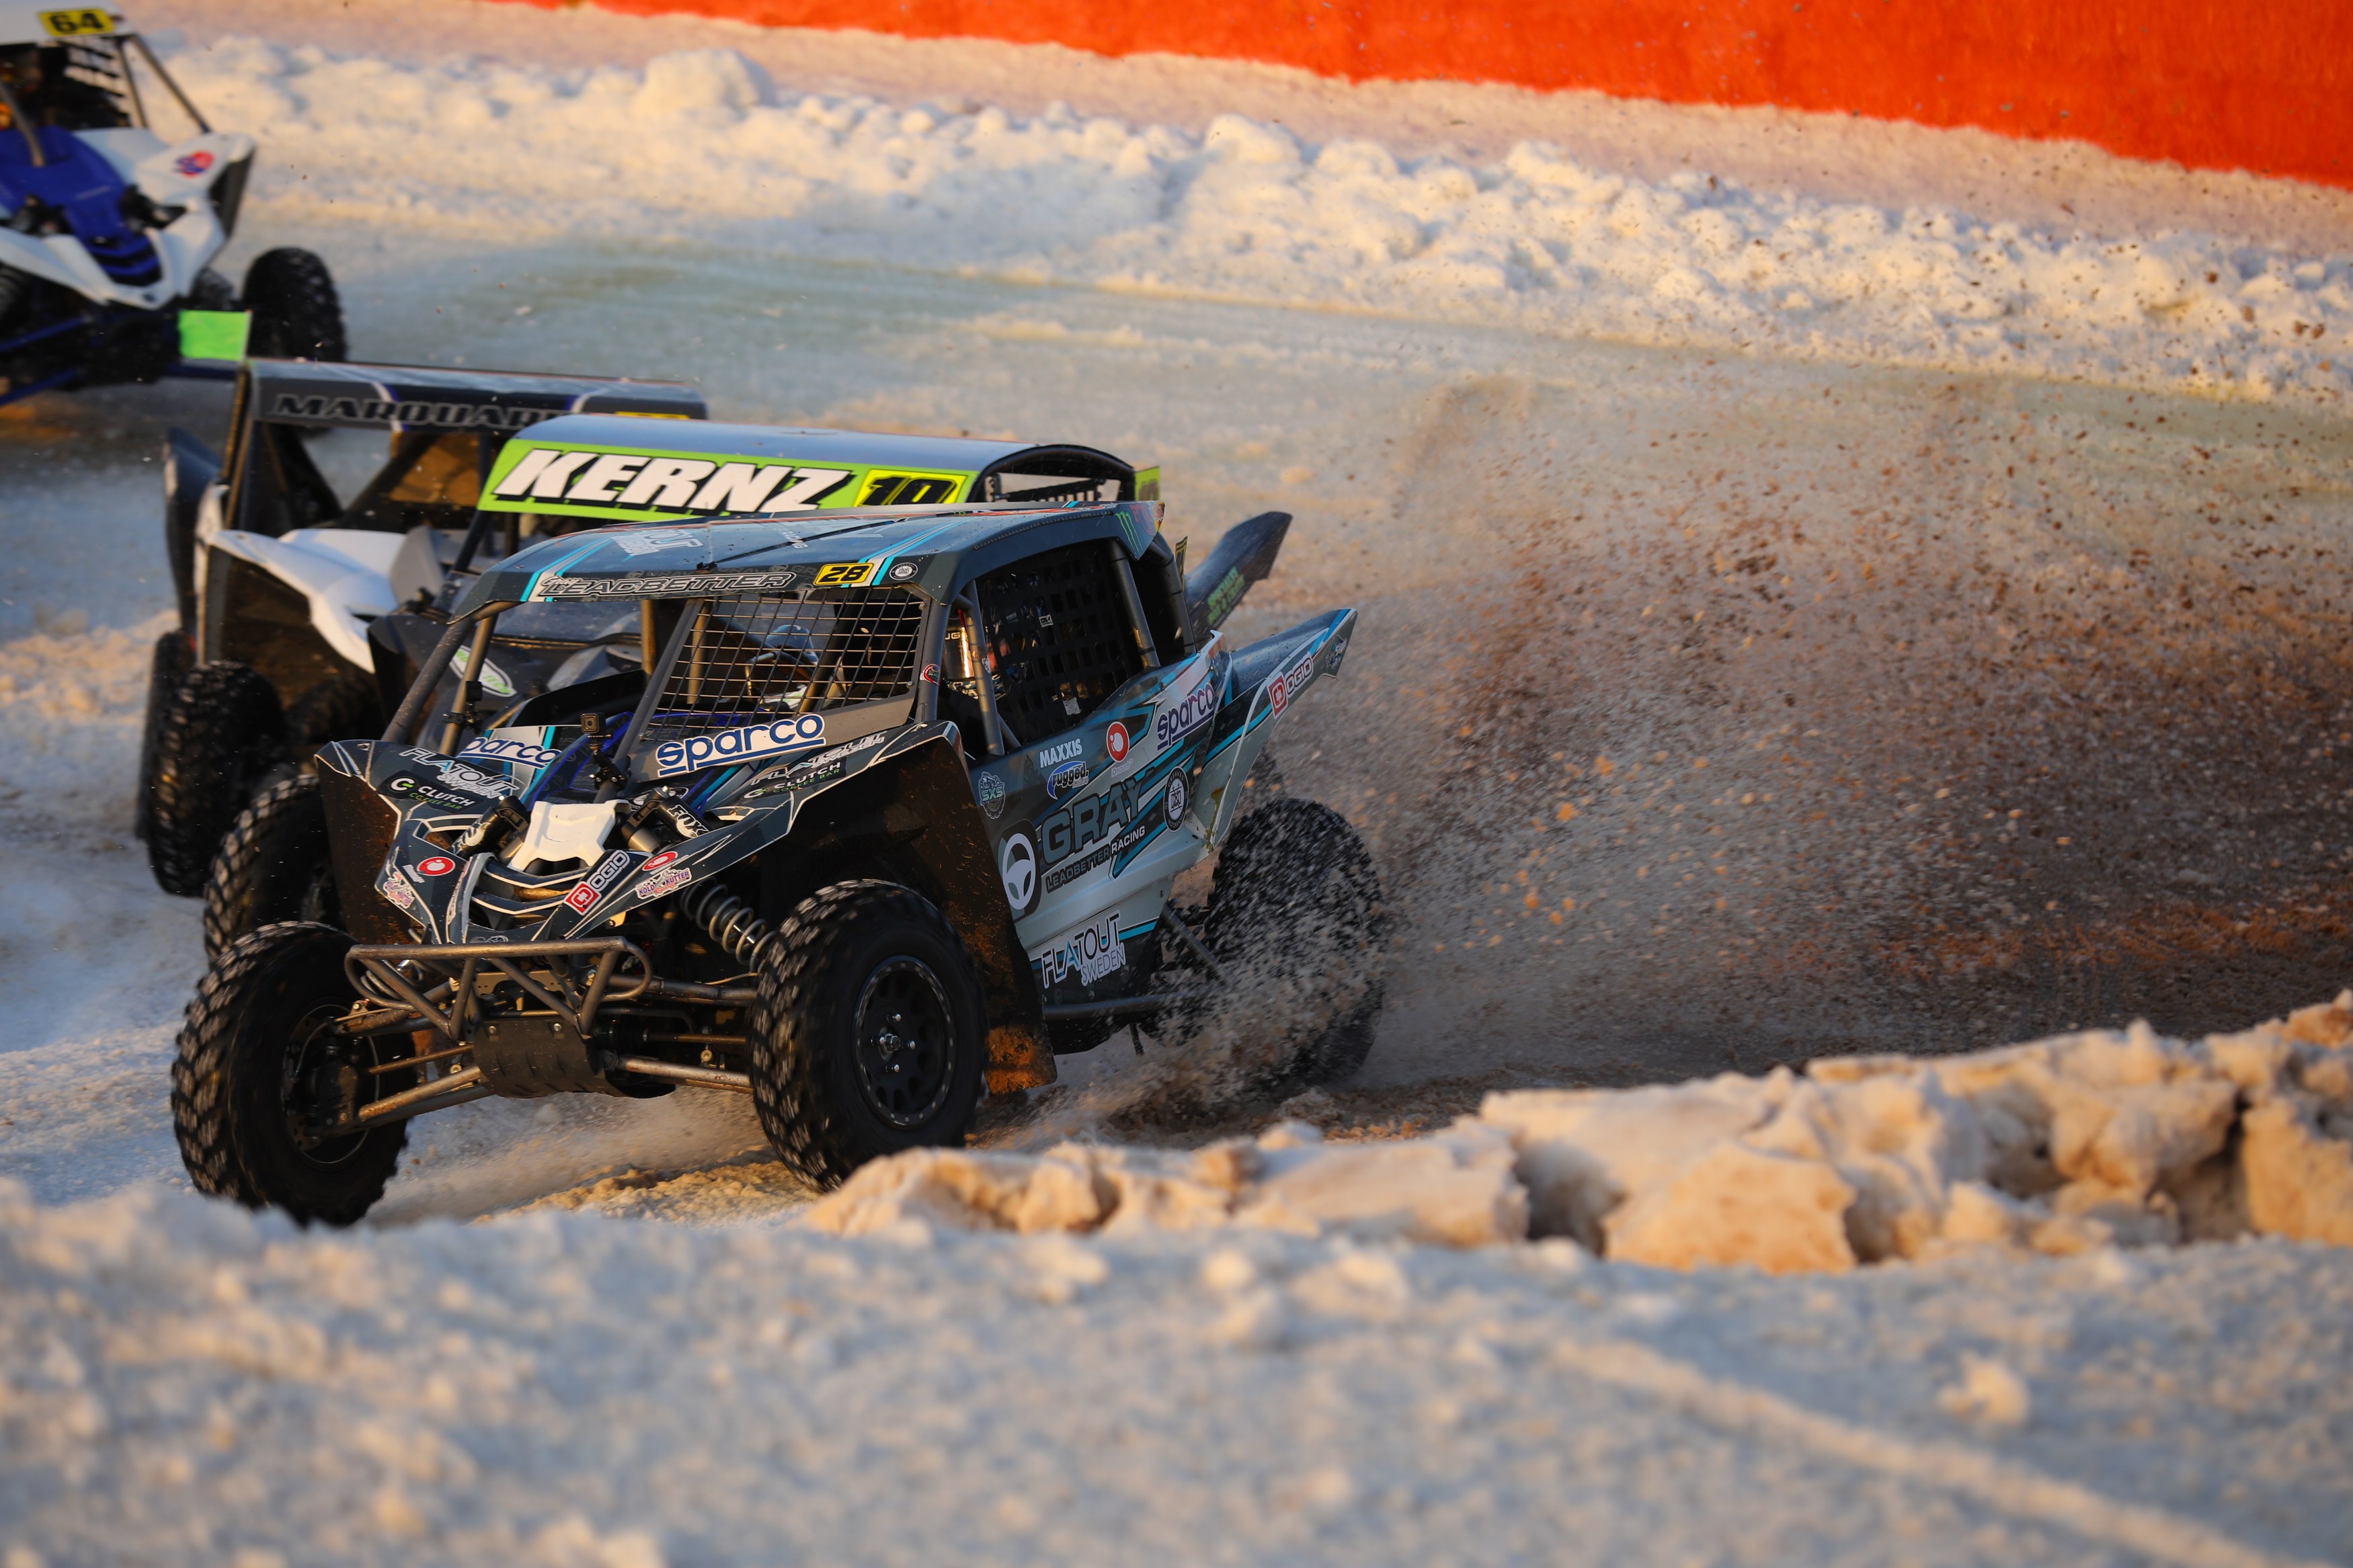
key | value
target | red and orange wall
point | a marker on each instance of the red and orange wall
(2261, 85)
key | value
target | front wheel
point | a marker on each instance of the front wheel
(296, 313)
(868, 1033)
(265, 1081)
(273, 866)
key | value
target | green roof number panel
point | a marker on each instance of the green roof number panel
(586, 465)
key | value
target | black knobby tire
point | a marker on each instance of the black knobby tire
(167, 667)
(273, 866)
(218, 741)
(256, 1064)
(1294, 918)
(853, 968)
(296, 313)
(343, 707)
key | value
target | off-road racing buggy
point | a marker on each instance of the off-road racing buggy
(894, 816)
(279, 579)
(108, 231)
(272, 864)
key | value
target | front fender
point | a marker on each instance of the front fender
(910, 814)
(345, 573)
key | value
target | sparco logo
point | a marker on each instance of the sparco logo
(390, 411)
(739, 746)
(1174, 725)
(628, 481)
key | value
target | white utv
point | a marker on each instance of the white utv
(279, 578)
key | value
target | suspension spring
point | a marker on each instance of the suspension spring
(729, 921)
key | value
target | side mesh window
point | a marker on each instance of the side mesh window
(1060, 638)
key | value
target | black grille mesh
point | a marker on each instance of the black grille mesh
(1061, 636)
(753, 658)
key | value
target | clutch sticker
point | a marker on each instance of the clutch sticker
(435, 866)
(1115, 742)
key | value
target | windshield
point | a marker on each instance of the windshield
(571, 621)
(80, 85)
(756, 673)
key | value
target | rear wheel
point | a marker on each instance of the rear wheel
(868, 1033)
(272, 867)
(295, 312)
(218, 740)
(265, 1079)
(165, 669)
(1294, 918)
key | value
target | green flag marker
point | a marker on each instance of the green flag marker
(214, 334)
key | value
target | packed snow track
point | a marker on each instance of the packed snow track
(1807, 609)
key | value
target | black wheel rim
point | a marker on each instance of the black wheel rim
(323, 1071)
(906, 1042)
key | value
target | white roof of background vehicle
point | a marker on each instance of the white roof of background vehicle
(22, 24)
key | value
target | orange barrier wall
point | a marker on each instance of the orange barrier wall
(2247, 84)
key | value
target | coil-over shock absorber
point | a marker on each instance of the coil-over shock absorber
(729, 919)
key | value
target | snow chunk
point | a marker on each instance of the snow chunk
(702, 81)
(2299, 1182)
(1454, 1190)
(1739, 1205)
(1582, 1151)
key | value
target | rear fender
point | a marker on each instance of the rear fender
(1266, 677)
(346, 574)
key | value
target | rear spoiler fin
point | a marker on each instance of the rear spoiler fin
(1244, 556)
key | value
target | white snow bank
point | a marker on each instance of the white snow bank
(2061, 1146)
(70, 702)
(183, 1383)
(701, 148)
